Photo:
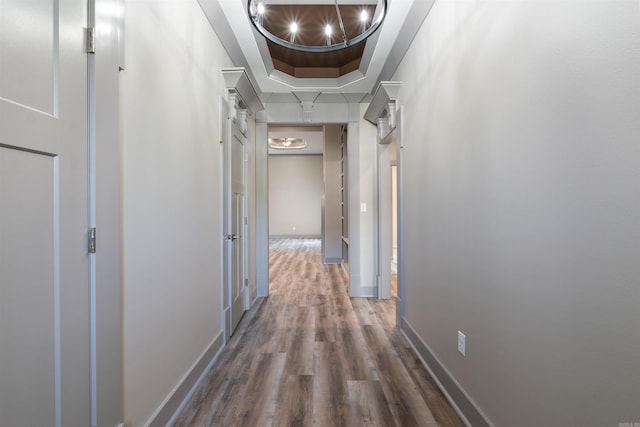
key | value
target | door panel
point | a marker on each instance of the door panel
(237, 262)
(237, 225)
(28, 41)
(44, 270)
(29, 312)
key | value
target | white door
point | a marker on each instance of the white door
(235, 225)
(44, 285)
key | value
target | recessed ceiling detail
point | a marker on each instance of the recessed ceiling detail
(290, 27)
(383, 51)
(316, 65)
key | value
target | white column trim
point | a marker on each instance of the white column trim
(382, 108)
(237, 82)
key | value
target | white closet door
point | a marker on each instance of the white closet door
(44, 285)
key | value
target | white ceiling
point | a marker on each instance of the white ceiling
(383, 52)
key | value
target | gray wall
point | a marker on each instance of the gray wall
(171, 201)
(295, 195)
(108, 219)
(332, 223)
(522, 205)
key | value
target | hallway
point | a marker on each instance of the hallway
(310, 355)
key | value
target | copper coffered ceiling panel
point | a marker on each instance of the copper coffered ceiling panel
(311, 21)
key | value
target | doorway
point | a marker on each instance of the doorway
(235, 292)
(390, 224)
(295, 187)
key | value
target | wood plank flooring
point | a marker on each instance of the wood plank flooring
(311, 356)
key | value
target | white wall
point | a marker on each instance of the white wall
(295, 195)
(522, 215)
(171, 183)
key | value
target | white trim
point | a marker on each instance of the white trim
(242, 99)
(237, 81)
(262, 205)
(385, 92)
(356, 289)
(228, 321)
(57, 373)
(400, 217)
(180, 400)
(91, 169)
(224, 108)
(384, 113)
(479, 416)
(295, 236)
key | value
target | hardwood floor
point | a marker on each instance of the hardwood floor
(310, 355)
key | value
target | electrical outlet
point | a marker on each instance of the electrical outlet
(462, 343)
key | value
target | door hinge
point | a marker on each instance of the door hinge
(92, 240)
(91, 40)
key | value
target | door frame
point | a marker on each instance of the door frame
(385, 235)
(104, 203)
(400, 299)
(384, 213)
(242, 103)
(385, 114)
(107, 16)
(236, 128)
(103, 207)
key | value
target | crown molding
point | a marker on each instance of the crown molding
(237, 81)
(385, 93)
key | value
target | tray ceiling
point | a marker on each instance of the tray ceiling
(349, 75)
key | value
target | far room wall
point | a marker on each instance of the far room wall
(295, 195)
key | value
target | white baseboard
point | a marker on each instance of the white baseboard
(356, 289)
(461, 402)
(294, 236)
(226, 312)
(168, 412)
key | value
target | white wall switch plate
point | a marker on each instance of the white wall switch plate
(462, 343)
(363, 207)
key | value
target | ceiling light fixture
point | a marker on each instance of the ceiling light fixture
(364, 18)
(287, 143)
(260, 12)
(258, 15)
